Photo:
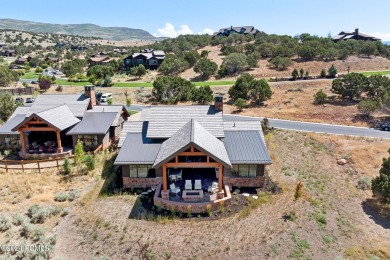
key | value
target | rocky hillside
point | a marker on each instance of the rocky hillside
(109, 33)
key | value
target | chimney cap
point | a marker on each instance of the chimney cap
(89, 87)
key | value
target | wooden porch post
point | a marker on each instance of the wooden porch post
(59, 141)
(22, 140)
(164, 178)
(220, 178)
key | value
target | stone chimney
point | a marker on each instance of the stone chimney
(89, 92)
(357, 31)
(218, 103)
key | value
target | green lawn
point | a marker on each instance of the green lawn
(64, 82)
(30, 75)
(369, 73)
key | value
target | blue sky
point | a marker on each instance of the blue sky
(172, 17)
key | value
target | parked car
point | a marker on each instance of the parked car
(385, 126)
(19, 100)
(34, 82)
(105, 97)
(30, 100)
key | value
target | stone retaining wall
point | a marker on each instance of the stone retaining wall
(196, 207)
(141, 182)
(256, 182)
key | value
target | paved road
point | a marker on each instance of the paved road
(305, 126)
(317, 128)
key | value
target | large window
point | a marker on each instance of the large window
(140, 61)
(89, 140)
(11, 141)
(137, 171)
(245, 170)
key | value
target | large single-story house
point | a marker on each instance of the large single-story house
(237, 29)
(51, 126)
(150, 58)
(356, 35)
(191, 153)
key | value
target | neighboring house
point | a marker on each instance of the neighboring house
(98, 60)
(150, 58)
(8, 53)
(78, 47)
(120, 51)
(22, 60)
(195, 149)
(356, 35)
(53, 59)
(52, 124)
(239, 30)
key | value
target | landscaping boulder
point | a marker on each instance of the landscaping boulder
(341, 161)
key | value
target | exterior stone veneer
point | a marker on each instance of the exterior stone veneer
(256, 182)
(196, 207)
(141, 182)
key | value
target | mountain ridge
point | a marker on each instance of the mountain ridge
(85, 29)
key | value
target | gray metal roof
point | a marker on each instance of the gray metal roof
(192, 134)
(59, 117)
(132, 127)
(241, 125)
(20, 111)
(77, 103)
(246, 147)
(145, 113)
(105, 109)
(93, 123)
(137, 149)
(164, 121)
(6, 128)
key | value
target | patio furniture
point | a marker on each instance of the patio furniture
(179, 176)
(188, 185)
(213, 188)
(198, 184)
(173, 189)
(172, 178)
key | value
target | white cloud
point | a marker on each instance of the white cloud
(206, 31)
(382, 36)
(169, 31)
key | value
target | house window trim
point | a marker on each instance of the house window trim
(236, 169)
(137, 166)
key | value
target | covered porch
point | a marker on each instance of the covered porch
(192, 176)
(42, 135)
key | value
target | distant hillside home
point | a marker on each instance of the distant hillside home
(356, 35)
(53, 59)
(8, 53)
(78, 48)
(99, 60)
(51, 126)
(239, 29)
(22, 60)
(150, 58)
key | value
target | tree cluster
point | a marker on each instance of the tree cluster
(174, 89)
(248, 88)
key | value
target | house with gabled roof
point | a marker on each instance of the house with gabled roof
(244, 30)
(149, 58)
(191, 155)
(355, 35)
(51, 126)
